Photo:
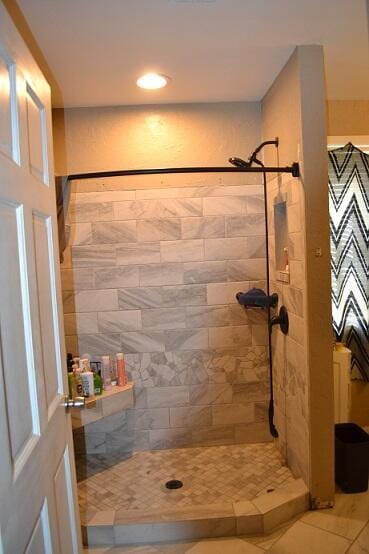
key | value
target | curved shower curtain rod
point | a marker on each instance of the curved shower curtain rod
(239, 166)
(293, 169)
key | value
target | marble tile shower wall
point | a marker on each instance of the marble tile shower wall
(153, 273)
(289, 352)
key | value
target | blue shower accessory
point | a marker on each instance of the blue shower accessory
(257, 298)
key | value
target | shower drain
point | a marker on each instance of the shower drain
(174, 484)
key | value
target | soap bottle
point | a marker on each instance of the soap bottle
(78, 380)
(106, 372)
(98, 384)
(113, 373)
(87, 379)
(121, 370)
(71, 384)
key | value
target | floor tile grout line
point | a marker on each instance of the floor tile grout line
(330, 532)
(358, 536)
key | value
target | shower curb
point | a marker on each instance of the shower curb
(250, 517)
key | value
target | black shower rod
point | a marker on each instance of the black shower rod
(293, 169)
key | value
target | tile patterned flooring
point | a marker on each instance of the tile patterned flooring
(216, 474)
(343, 529)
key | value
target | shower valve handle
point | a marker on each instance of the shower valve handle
(281, 319)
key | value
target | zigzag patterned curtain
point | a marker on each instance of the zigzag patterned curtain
(348, 169)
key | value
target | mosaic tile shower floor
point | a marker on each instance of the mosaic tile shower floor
(215, 474)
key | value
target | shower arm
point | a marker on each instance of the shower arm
(253, 158)
(239, 162)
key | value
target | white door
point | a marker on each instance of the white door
(38, 507)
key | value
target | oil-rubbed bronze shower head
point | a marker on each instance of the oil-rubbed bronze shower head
(239, 162)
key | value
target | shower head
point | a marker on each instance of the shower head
(239, 162)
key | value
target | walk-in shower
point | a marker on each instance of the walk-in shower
(164, 274)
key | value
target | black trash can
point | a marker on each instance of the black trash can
(352, 457)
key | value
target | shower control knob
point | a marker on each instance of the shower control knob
(281, 319)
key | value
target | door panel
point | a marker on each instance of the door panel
(37, 137)
(8, 107)
(64, 504)
(40, 541)
(18, 366)
(47, 309)
(38, 507)
(5, 111)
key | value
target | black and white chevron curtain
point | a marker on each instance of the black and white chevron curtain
(349, 224)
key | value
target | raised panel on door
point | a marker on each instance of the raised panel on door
(9, 144)
(37, 136)
(48, 310)
(40, 541)
(64, 497)
(16, 339)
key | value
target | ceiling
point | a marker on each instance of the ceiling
(213, 50)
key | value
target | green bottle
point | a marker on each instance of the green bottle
(71, 384)
(98, 384)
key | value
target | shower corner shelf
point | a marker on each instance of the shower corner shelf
(283, 276)
(110, 402)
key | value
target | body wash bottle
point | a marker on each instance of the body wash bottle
(87, 379)
(113, 373)
(121, 370)
(71, 384)
(78, 381)
(106, 372)
(98, 384)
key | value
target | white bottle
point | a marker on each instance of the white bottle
(88, 384)
(87, 379)
(106, 372)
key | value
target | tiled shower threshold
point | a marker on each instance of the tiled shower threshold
(227, 490)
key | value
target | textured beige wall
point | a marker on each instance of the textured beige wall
(294, 109)
(97, 139)
(348, 117)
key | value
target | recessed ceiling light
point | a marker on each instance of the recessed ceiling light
(152, 81)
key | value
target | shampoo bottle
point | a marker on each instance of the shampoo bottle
(71, 384)
(113, 373)
(106, 372)
(87, 379)
(98, 384)
(121, 370)
(78, 380)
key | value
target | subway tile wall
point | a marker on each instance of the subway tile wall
(154, 273)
